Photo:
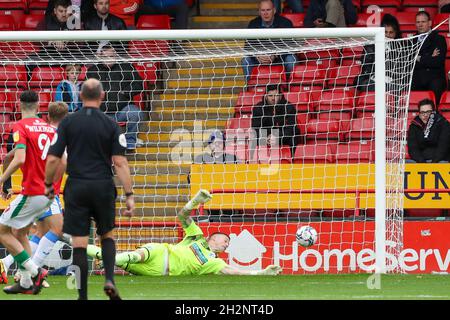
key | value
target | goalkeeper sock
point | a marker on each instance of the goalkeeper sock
(94, 251)
(80, 260)
(124, 258)
(109, 257)
(45, 247)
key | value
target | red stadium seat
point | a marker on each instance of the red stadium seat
(301, 100)
(355, 152)
(382, 10)
(296, 18)
(365, 103)
(335, 100)
(407, 21)
(263, 75)
(323, 130)
(381, 3)
(46, 77)
(13, 76)
(363, 18)
(45, 97)
(344, 75)
(431, 10)
(15, 14)
(14, 49)
(38, 5)
(242, 123)
(246, 100)
(444, 105)
(305, 74)
(7, 23)
(148, 48)
(13, 5)
(148, 72)
(149, 22)
(446, 115)
(362, 129)
(440, 17)
(263, 154)
(30, 22)
(416, 96)
(314, 153)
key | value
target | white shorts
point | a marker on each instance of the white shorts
(24, 210)
(55, 208)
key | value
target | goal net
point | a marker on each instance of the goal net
(284, 127)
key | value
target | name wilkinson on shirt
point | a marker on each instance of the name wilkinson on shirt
(42, 128)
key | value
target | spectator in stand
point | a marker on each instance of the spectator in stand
(444, 6)
(57, 18)
(102, 19)
(330, 13)
(275, 116)
(295, 5)
(69, 89)
(121, 82)
(72, 9)
(126, 10)
(366, 80)
(429, 70)
(429, 135)
(216, 145)
(178, 9)
(267, 19)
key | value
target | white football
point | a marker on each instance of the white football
(306, 236)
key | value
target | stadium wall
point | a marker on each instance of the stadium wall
(342, 247)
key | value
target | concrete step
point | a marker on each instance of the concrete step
(226, 61)
(148, 190)
(159, 198)
(169, 114)
(220, 22)
(176, 137)
(201, 73)
(160, 169)
(170, 126)
(158, 211)
(237, 82)
(194, 100)
(225, 9)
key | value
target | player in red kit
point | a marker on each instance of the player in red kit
(32, 140)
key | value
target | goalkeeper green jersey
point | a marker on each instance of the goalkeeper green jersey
(192, 255)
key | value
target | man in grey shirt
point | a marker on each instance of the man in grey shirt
(216, 144)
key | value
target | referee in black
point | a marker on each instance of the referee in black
(94, 142)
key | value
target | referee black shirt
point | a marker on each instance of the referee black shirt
(91, 138)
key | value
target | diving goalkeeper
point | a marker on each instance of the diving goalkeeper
(194, 255)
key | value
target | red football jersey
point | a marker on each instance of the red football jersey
(36, 136)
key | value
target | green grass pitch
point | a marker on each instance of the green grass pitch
(283, 287)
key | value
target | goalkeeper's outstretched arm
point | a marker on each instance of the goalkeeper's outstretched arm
(202, 196)
(271, 270)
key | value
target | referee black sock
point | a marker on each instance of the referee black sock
(80, 260)
(109, 257)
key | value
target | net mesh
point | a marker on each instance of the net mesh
(308, 159)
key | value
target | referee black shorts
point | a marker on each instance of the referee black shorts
(86, 199)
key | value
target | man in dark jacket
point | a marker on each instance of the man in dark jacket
(275, 116)
(103, 20)
(121, 82)
(429, 135)
(330, 13)
(429, 71)
(267, 19)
